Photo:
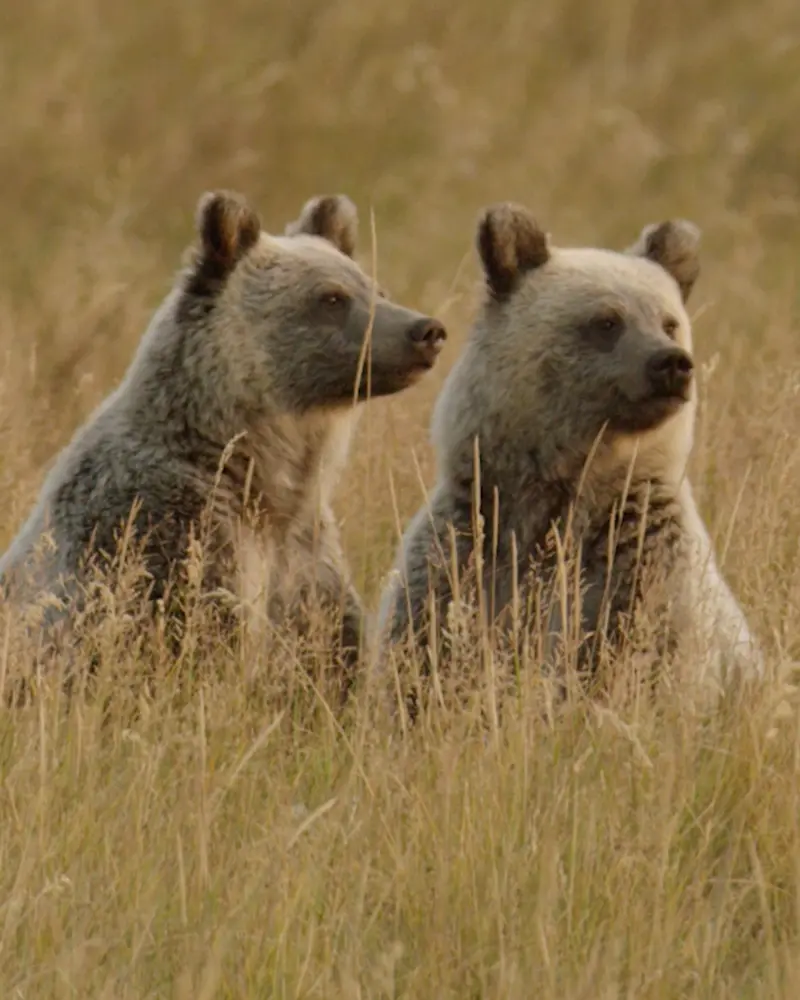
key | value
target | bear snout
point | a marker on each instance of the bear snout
(427, 335)
(669, 372)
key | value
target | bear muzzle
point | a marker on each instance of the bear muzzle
(427, 335)
(669, 373)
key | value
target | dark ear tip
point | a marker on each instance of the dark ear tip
(511, 244)
(205, 200)
(501, 213)
(219, 196)
(326, 207)
(495, 222)
(686, 227)
(682, 231)
(208, 202)
(333, 217)
(488, 212)
(226, 223)
(221, 202)
(690, 233)
(674, 245)
(344, 210)
(510, 222)
(337, 202)
(484, 226)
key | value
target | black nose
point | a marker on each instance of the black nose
(428, 335)
(670, 372)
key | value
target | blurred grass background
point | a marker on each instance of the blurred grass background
(600, 117)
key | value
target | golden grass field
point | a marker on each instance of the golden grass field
(212, 847)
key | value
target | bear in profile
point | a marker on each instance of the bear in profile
(575, 391)
(233, 423)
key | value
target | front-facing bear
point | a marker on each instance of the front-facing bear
(576, 385)
(233, 422)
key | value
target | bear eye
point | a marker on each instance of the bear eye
(608, 323)
(670, 326)
(333, 299)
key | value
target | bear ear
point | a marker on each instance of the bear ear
(510, 244)
(333, 217)
(227, 226)
(674, 245)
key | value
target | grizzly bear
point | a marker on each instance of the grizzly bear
(568, 421)
(233, 422)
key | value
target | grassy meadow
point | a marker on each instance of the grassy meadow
(214, 844)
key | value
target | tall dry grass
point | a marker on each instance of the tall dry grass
(210, 846)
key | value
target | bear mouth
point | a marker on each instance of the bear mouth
(389, 382)
(678, 394)
(416, 371)
(650, 413)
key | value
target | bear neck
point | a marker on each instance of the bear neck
(265, 464)
(540, 490)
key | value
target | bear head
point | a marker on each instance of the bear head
(302, 325)
(589, 350)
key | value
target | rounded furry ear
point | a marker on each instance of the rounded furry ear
(333, 217)
(510, 243)
(227, 226)
(674, 245)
